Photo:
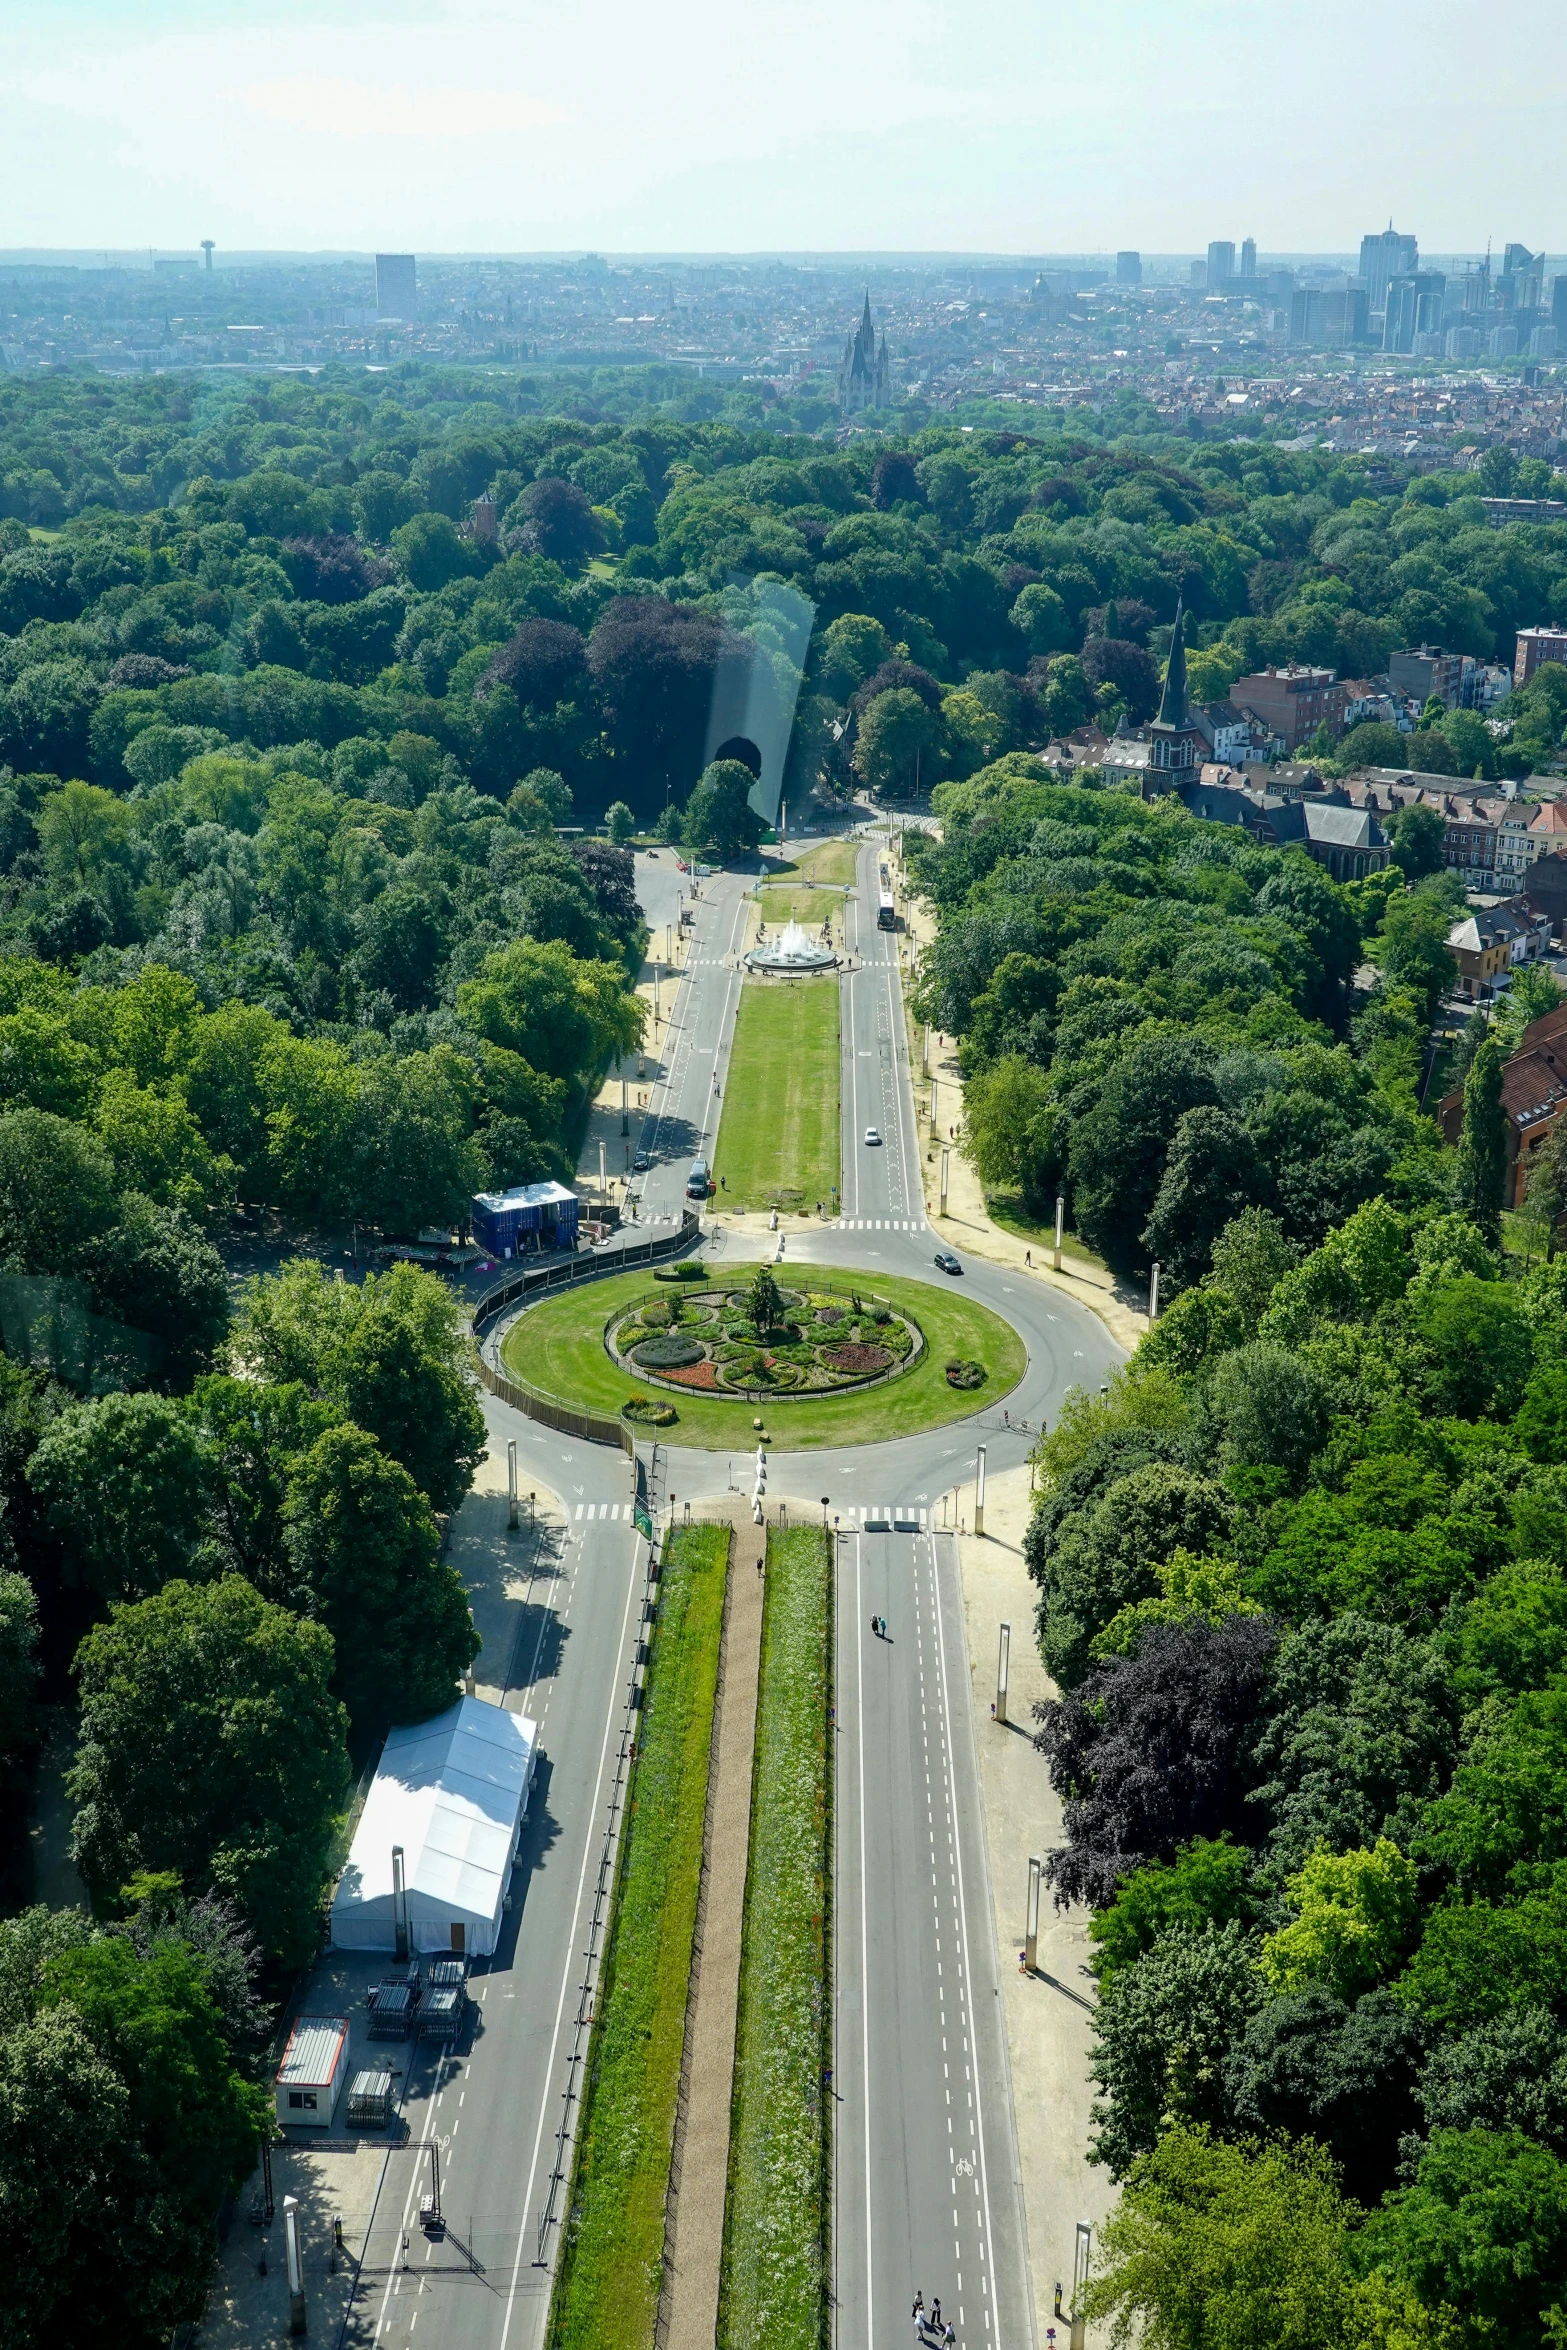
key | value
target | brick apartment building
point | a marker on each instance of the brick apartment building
(1293, 702)
(1534, 646)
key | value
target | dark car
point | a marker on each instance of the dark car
(640, 1163)
(947, 1261)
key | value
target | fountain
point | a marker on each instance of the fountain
(792, 955)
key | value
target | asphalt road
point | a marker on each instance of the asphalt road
(926, 2187)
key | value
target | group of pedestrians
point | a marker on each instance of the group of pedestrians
(879, 1627)
(928, 2327)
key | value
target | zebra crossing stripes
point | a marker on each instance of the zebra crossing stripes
(603, 1510)
(887, 1517)
(881, 1224)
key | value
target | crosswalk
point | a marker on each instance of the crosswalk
(879, 1517)
(881, 1224)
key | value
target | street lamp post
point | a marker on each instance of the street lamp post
(979, 1494)
(625, 1106)
(1002, 1660)
(1153, 1294)
(1080, 2281)
(511, 1484)
(1036, 1874)
(945, 1156)
(1060, 1223)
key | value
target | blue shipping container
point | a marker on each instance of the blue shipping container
(531, 1217)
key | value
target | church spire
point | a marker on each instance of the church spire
(1173, 710)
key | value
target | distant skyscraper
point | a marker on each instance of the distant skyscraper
(1413, 308)
(864, 372)
(396, 285)
(1221, 266)
(1383, 258)
(1559, 307)
(1248, 257)
(1128, 269)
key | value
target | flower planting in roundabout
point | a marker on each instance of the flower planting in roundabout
(819, 1366)
(758, 1341)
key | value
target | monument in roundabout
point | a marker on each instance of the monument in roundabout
(793, 954)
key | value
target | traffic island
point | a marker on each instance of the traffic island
(562, 1352)
(775, 2268)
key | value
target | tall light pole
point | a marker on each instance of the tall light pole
(1003, 1657)
(1080, 2281)
(1036, 1873)
(1060, 1222)
(1153, 1293)
(945, 1156)
(979, 1494)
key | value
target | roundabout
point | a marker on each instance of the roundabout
(854, 1359)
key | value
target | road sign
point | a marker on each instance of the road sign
(642, 1522)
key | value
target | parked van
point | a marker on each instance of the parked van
(698, 1183)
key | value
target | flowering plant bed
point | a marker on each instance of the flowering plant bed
(801, 1345)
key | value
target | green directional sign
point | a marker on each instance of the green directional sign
(642, 1522)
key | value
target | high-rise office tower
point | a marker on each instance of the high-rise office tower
(396, 285)
(1128, 269)
(1414, 307)
(1248, 257)
(1221, 265)
(1385, 257)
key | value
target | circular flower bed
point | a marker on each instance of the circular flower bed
(645, 1411)
(666, 1354)
(815, 1343)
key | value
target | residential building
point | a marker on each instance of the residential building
(1231, 734)
(1128, 269)
(1428, 671)
(1499, 512)
(1534, 646)
(1328, 320)
(1534, 1097)
(1128, 761)
(396, 285)
(1469, 843)
(1548, 890)
(1516, 846)
(1488, 944)
(1548, 828)
(1249, 258)
(1221, 266)
(1294, 701)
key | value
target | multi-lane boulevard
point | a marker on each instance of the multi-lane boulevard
(925, 2189)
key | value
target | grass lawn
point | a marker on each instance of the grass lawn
(778, 1137)
(810, 906)
(557, 1348)
(774, 2274)
(832, 861)
(611, 2261)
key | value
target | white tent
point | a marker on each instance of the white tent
(450, 1793)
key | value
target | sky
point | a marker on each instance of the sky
(1006, 126)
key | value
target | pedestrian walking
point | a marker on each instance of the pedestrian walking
(873, 1627)
(919, 2302)
(951, 2334)
(935, 2313)
(1028, 1258)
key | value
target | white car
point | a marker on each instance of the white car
(871, 1135)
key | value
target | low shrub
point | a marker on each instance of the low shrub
(692, 1271)
(647, 1413)
(965, 1374)
(667, 1354)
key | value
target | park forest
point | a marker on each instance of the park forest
(316, 910)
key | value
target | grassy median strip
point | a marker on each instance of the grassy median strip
(557, 1348)
(773, 2294)
(607, 2287)
(778, 1138)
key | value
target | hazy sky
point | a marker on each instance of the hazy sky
(1000, 125)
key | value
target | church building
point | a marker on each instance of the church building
(1176, 748)
(864, 372)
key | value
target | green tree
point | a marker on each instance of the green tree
(1480, 1174)
(619, 822)
(560, 1015)
(1041, 619)
(1418, 835)
(1482, 2229)
(56, 1188)
(124, 1484)
(1354, 1912)
(1163, 2027)
(123, 2121)
(212, 1745)
(763, 1301)
(154, 1271)
(18, 1663)
(852, 648)
(720, 821)
(1008, 1126)
(1413, 948)
(364, 1550)
(1219, 2245)
(1207, 1883)
(1250, 1258)
(389, 1353)
(896, 734)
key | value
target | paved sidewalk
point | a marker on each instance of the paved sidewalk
(695, 2241)
(1049, 2014)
